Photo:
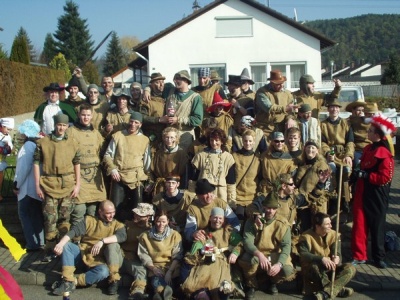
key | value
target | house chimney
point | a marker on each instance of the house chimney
(195, 6)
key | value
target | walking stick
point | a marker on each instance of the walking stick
(337, 226)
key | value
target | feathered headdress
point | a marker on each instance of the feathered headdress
(384, 123)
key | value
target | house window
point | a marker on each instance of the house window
(220, 68)
(292, 71)
(234, 26)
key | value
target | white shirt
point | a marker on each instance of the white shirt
(49, 112)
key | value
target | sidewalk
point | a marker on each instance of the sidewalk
(31, 271)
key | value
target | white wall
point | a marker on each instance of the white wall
(195, 43)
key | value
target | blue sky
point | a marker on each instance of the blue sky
(144, 18)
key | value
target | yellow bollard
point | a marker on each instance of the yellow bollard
(15, 248)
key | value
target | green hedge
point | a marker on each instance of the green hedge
(21, 86)
(393, 102)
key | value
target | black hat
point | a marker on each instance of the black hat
(203, 186)
(74, 81)
(54, 86)
(234, 79)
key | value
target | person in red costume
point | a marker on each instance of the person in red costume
(372, 194)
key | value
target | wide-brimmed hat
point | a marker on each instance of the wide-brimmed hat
(144, 209)
(355, 104)
(218, 101)
(156, 76)
(234, 79)
(245, 76)
(54, 86)
(122, 92)
(203, 186)
(271, 200)
(215, 76)
(333, 102)
(371, 108)
(275, 76)
(183, 74)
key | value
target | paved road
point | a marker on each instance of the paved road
(35, 292)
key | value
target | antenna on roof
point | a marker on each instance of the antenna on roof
(295, 14)
(195, 6)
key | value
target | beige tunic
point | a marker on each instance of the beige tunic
(58, 158)
(247, 168)
(92, 184)
(214, 167)
(177, 211)
(96, 230)
(128, 159)
(130, 246)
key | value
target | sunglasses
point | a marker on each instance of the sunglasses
(279, 141)
(291, 184)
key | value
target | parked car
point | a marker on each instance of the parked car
(347, 95)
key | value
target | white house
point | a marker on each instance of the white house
(229, 35)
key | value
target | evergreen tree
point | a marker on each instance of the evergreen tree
(32, 53)
(72, 35)
(392, 73)
(59, 63)
(115, 59)
(91, 73)
(19, 50)
(49, 49)
(3, 53)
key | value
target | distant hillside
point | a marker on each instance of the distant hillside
(363, 39)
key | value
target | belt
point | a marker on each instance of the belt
(59, 175)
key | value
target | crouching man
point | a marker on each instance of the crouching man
(98, 251)
(267, 242)
(316, 249)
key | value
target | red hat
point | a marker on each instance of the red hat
(217, 101)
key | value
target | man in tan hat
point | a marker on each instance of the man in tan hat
(214, 77)
(273, 103)
(127, 160)
(132, 265)
(360, 128)
(337, 145)
(153, 110)
(183, 108)
(267, 245)
(307, 94)
(60, 181)
(206, 89)
(246, 82)
(52, 106)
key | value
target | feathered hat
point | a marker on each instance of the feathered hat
(384, 123)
